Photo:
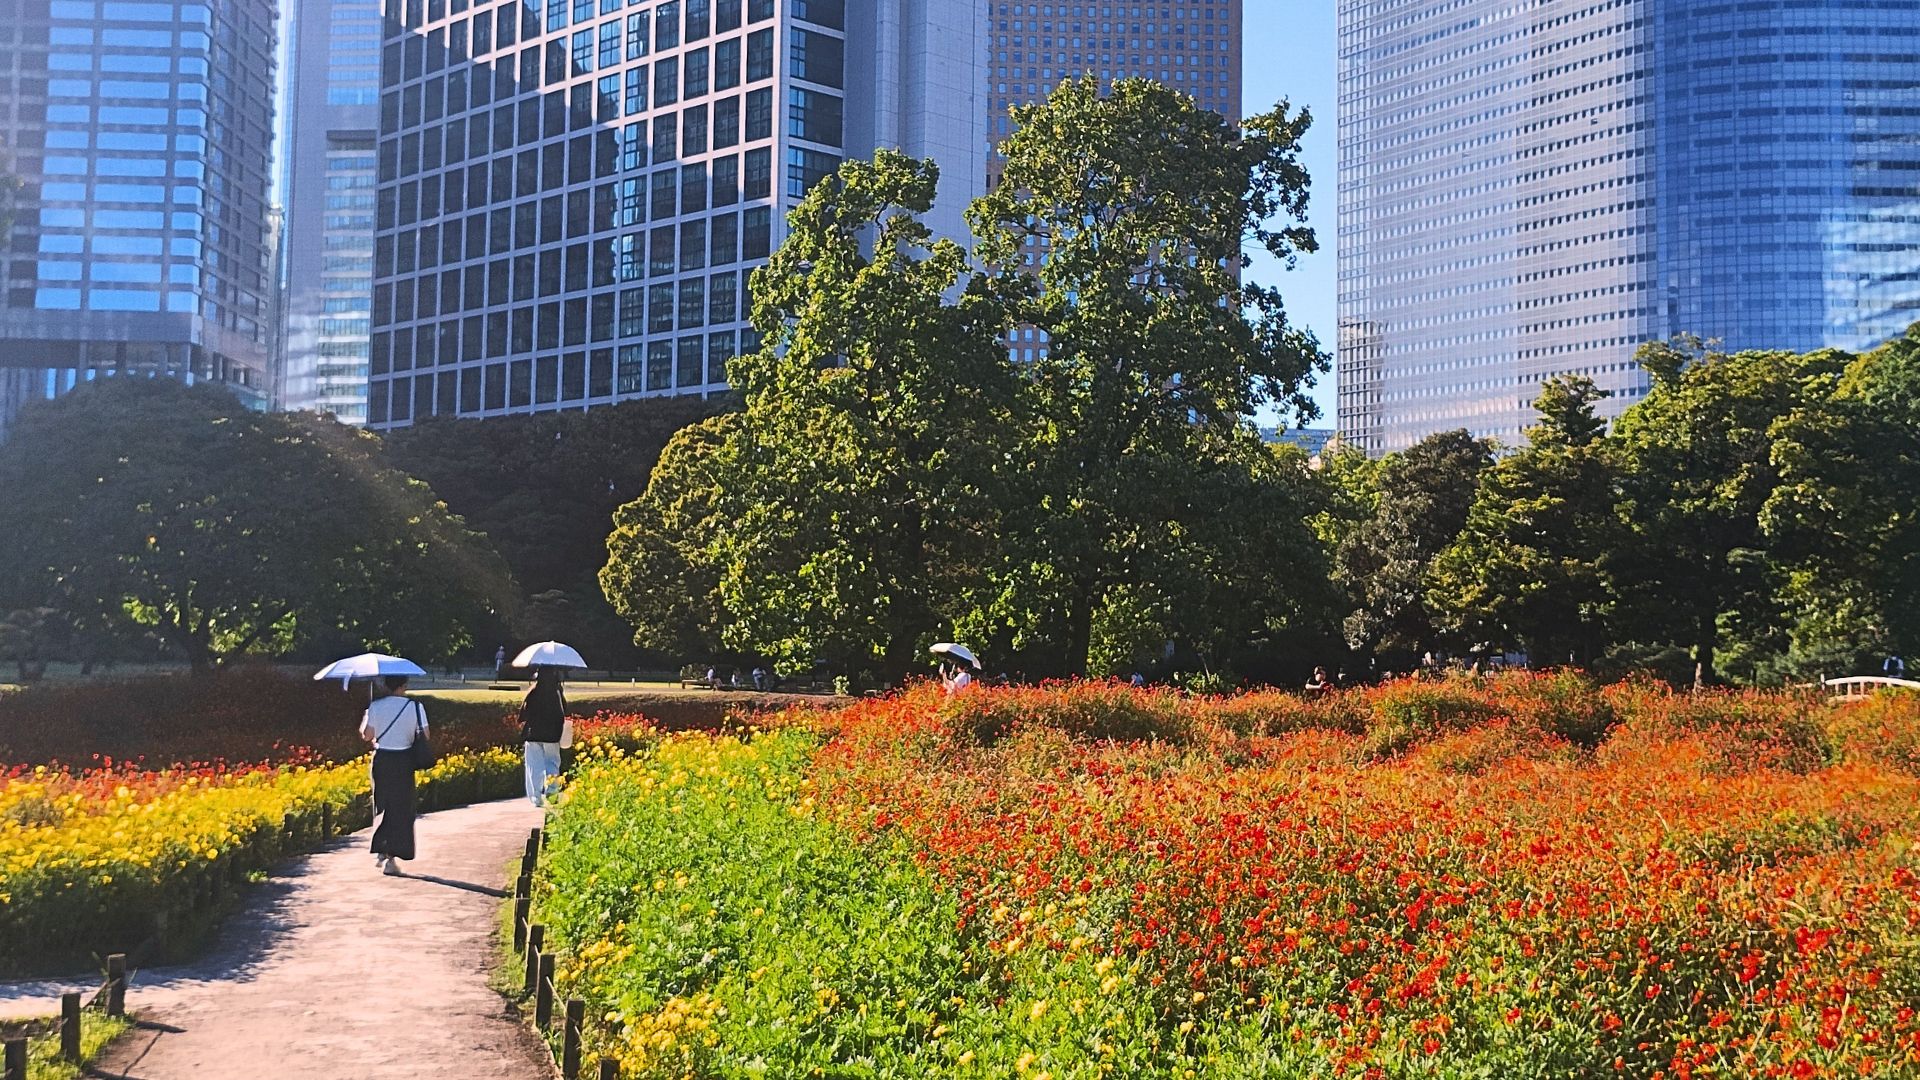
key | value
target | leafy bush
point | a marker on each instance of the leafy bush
(1083, 710)
(1408, 711)
(1736, 731)
(1883, 729)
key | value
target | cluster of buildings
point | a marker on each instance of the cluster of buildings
(482, 207)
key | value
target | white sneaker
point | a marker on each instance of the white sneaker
(392, 868)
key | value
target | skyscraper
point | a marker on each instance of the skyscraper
(1191, 45)
(333, 117)
(572, 193)
(140, 133)
(1528, 189)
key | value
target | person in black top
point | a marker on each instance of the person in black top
(543, 722)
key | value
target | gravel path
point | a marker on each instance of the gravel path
(334, 971)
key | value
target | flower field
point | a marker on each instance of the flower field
(102, 860)
(1523, 877)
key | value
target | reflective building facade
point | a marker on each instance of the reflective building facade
(139, 240)
(572, 193)
(333, 116)
(1531, 188)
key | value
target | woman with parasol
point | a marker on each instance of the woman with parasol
(544, 727)
(396, 725)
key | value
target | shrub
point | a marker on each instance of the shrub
(1408, 711)
(1083, 710)
(1883, 729)
(1565, 703)
(1274, 712)
(1735, 731)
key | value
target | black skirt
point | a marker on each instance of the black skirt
(393, 804)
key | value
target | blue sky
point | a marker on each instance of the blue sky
(1290, 53)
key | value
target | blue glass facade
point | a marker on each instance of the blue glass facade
(139, 132)
(1789, 171)
(1529, 189)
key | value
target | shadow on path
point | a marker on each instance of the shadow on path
(334, 971)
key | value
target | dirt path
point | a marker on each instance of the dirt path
(334, 971)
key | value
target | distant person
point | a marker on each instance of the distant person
(1137, 680)
(391, 723)
(543, 726)
(733, 680)
(957, 679)
(759, 678)
(499, 661)
(1319, 683)
(713, 678)
(1894, 667)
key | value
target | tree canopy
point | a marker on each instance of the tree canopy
(222, 531)
(543, 489)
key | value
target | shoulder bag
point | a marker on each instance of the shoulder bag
(421, 750)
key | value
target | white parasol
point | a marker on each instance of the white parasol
(367, 666)
(549, 654)
(957, 652)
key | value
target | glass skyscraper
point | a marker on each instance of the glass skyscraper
(333, 116)
(138, 238)
(1528, 189)
(572, 193)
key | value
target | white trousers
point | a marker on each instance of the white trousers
(543, 769)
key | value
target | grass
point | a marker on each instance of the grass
(43, 1043)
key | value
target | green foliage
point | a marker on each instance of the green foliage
(1842, 517)
(1412, 711)
(1529, 568)
(1140, 470)
(543, 488)
(693, 891)
(661, 573)
(1696, 470)
(1384, 560)
(861, 487)
(169, 509)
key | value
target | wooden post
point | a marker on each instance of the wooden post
(520, 910)
(117, 984)
(543, 994)
(534, 840)
(16, 1059)
(536, 937)
(326, 821)
(523, 886)
(609, 1069)
(570, 1039)
(70, 1027)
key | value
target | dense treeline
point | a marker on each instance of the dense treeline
(1048, 458)
(1751, 519)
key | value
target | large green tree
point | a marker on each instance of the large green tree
(1844, 516)
(857, 490)
(1697, 468)
(662, 572)
(1384, 561)
(1116, 233)
(141, 503)
(544, 488)
(1531, 567)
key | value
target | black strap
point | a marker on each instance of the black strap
(383, 731)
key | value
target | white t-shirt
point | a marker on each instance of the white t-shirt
(394, 714)
(960, 682)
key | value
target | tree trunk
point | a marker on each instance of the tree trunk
(1703, 673)
(1078, 632)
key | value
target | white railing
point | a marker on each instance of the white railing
(1859, 686)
